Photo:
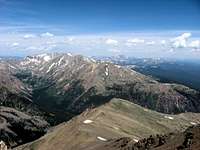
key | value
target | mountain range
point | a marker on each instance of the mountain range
(164, 70)
(48, 89)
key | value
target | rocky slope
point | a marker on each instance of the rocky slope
(18, 128)
(66, 85)
(98, 127)
(187, 140)
(13, 92)
(58, 87)
(19, 122)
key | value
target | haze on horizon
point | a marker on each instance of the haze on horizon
(136, 28)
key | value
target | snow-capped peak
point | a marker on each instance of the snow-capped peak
(69, 54)
(45, 57)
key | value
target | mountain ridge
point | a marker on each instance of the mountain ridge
(58, 87)
(115, 119)
(67, 71)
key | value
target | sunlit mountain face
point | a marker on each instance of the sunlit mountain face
(99, 75)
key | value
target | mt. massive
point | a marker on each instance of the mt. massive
(56, 87)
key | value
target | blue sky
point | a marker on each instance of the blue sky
(102, 27)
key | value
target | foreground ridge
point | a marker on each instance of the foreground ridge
(101, 127)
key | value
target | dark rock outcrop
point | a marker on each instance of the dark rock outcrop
(18, 128)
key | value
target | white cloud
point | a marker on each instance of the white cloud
(186, 35)
(195, 44)
(101, 44)
(171, 50)
(163, 42)
(27, 36)
(71, 38)
(111, 42)
(31, 48)
(181, 41)
(114, 50)
(47, 34)
(195, 51)
(134, 41)
(15, 44)
(150, 43)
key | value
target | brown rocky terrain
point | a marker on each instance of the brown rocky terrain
(20, 119)
(100, 127)
(18, 128)
(58, 87)
(187, 140)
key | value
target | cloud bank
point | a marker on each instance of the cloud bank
(136, 44)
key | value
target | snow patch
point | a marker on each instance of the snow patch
(12, 66)
(50, 67)
(117, 66)
(87, 121)
(47, 58)
(69, 54)
(41, 68)
(136, 140)
(101, 138)
(106, 70)
(44, 56)
(169, 117)
(193, 123)
(89, 60)
(61, 79)
(93, 60)
(3, 146)
(116, 128)
(29, 60)
(59, 62)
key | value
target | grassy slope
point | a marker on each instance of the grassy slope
(118, 118)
